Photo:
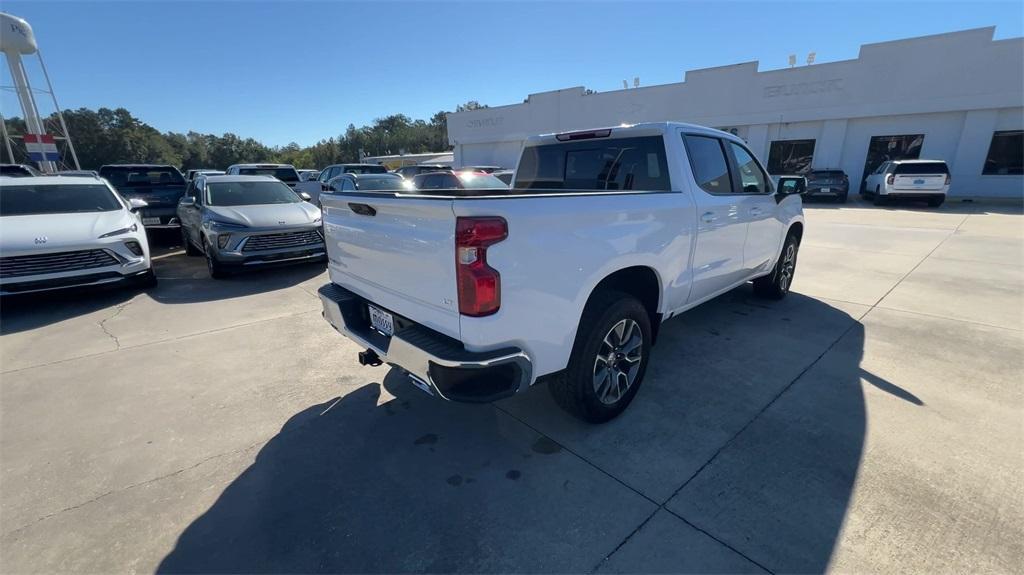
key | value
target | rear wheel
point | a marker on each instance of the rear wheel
(936, 201)
(609, 358)
(878, 199)
(776, 284)
(842, 199)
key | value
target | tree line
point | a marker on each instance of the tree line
(115, 136)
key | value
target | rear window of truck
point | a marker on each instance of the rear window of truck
(142, 177)
(918, 168)
(601, 165)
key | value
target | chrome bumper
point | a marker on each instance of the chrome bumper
(439, 364)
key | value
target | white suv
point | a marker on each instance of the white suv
(58, 232)
(911, 179)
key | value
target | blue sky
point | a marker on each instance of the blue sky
(297, 71)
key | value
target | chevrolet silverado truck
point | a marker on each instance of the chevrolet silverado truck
(565, 277)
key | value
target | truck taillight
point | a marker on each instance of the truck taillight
(479, 284)
(948, 179)
(890, 178)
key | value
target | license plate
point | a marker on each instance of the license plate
(826, 190)
(381, 321)
(151, 221)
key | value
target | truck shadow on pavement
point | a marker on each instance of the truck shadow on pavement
(758, 456)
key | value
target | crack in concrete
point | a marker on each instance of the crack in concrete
(158, 342)
(103, 323)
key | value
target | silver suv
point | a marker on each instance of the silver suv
(240, 222)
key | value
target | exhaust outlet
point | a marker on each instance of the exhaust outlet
(370, 358)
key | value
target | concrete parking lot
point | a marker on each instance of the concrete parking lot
(872, 421)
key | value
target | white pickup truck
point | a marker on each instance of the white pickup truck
(565, 277)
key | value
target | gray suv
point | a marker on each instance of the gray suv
(240, 222)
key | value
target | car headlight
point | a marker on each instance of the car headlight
(318, 219)
(129, 229)
(229, 225)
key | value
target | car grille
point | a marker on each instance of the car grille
(285, 240)
(20, 266)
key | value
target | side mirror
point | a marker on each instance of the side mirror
(305, 196)
(187, 201)
(789, 185)
(137, 204)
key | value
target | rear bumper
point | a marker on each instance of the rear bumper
(168, 217)
(911, 192)
(439, 364)
(819, 191)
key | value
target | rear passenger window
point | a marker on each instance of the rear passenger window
(707, 159)
(596, 165)
(752, 179)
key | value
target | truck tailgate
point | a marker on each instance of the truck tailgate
(397, 252)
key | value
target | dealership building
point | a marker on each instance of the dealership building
(957, 97)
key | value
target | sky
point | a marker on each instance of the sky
(302, 71)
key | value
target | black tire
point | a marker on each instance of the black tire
(936, 201)
(216, 269)
(776, 284)
(879, 199)
(190, 249)
(575, 389)
(147, 280)
(842, 199)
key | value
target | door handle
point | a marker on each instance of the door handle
(362, 209)
(708, 217)
(755, 211)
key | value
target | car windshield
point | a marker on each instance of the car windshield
(283, 174)
(379, 182)
(56, 199)
(142, 176)
(249, 194)
(477, 180)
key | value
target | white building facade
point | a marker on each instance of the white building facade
(957, 97)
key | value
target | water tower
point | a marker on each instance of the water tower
(17, 40)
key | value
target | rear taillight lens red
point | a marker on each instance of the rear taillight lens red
(479, 284)
(890, 178)
(948, 179)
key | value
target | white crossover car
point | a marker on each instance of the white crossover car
(59, 232)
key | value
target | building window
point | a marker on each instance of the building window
(790, 156)
(889, 148)
(1005, 154)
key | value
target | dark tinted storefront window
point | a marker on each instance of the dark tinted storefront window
(596, 165)
(790, 156)
(887, 148)
(1005, 154)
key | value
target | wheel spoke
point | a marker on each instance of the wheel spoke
(618, 330)
(627, 331)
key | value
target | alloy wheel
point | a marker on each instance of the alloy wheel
(618, 361)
